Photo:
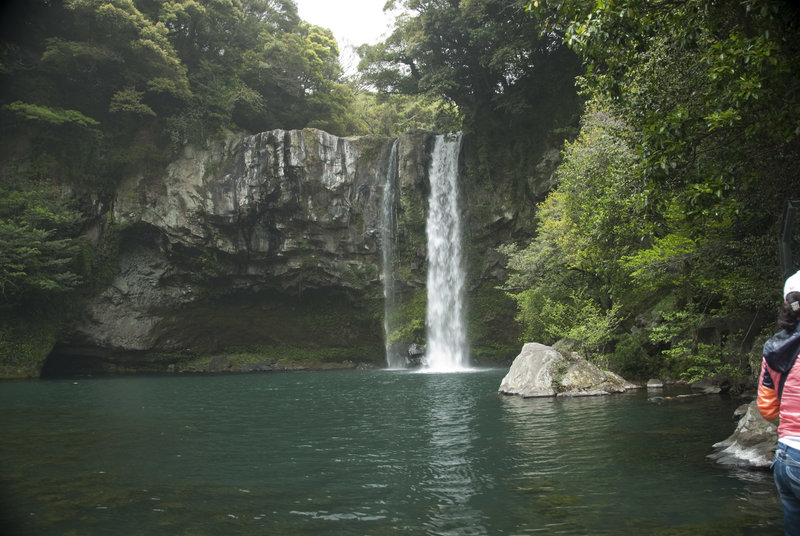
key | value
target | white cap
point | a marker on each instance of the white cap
(792, 284)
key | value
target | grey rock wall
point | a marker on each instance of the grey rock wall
(274, 240)
(280, 229)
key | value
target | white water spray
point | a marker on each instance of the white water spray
(447, 349)
(393, 359)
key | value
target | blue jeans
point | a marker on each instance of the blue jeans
(786, 471)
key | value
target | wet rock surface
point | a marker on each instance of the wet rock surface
(752, 444)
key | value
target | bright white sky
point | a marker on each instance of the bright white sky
(353, 22)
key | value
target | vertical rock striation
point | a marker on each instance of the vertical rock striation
(270, 239)
(274, 240)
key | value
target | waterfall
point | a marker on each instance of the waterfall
(393, 359)
(446, 337)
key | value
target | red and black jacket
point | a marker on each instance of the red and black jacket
(779, 384)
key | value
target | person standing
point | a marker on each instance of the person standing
(779, 400)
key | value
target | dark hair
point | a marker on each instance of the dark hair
(789, 312)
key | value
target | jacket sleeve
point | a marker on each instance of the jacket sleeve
(768, 403)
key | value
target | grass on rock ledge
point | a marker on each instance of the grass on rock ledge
(276, 358)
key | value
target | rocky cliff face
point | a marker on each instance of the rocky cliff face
(264, 241)
(283, 209)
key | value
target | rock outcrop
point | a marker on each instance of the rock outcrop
(752, 444)
(543, 371)
(265, 240)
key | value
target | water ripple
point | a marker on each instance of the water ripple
(365, 452)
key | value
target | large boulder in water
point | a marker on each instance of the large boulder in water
(541, 371)
(533, 372)
(751, 445)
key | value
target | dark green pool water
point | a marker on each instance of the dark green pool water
(365, 453)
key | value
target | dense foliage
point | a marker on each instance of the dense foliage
(136, 72)
(509, 82)
(660, 240)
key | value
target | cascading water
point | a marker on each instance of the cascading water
(447, 349)
(393, 359)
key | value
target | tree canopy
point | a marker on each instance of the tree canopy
(669, 203)
(511, 85)
(125, 76)
(486, 56)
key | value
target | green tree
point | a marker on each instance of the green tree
(568, 281)
(187, 70)
(390, 115)
(708, 94)
(510, 83)
(483, 55)
(42, 269)
(104, 61)
(712, 87)
(38, 253)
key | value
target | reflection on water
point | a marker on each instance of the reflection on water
(452, 480)
(626, 465)
(364, 452)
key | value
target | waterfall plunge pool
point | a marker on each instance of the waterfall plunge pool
(365, 452)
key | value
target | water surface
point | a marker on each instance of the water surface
(365, 452)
